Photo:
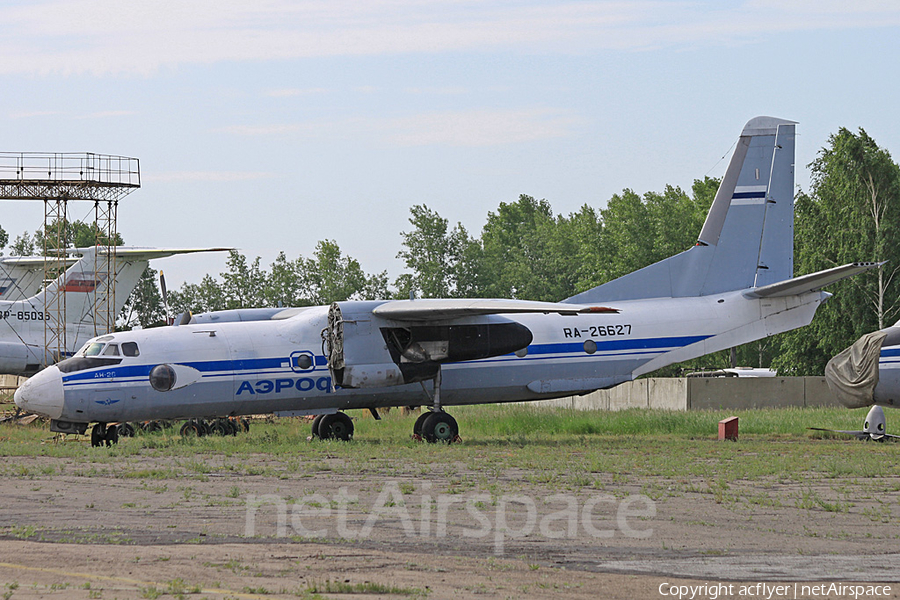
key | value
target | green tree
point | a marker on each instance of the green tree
(285, 285)
(330, 276)
(206, 296)
(444, 262)
(144, 306)
(244, 283)
(590, 262)
(852, 213)
(528, 253)
(627, 234)
(72, 234)
(23, 245)
(639, 231)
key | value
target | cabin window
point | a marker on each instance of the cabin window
(130, 349)
(111, 350)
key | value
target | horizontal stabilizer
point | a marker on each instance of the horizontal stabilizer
(812, 282)
(32, 261)
(453, 308)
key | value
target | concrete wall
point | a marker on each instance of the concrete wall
(710, 393)
(10, 382)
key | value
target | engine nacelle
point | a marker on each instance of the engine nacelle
(366, 351)
(369, 376)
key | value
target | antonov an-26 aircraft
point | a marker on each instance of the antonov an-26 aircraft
(734, 286)
(23, 322)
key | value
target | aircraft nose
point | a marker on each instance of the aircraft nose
(42, 393)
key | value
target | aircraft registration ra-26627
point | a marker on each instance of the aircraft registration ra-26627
(23, 322)
(734, 286)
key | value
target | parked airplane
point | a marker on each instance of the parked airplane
(868, 372)
(23, 322)
(734, 286)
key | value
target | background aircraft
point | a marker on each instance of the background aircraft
(868, 372)
(23, 322)
(734, 286)
(23, 276)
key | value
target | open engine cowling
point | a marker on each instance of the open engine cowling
(365, 350)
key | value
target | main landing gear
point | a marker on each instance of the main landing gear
(336, 426)
(432, 426)
(436, 426)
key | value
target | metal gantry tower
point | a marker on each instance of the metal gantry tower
(57, 179)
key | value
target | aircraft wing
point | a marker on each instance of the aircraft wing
(860, 435)
(452, 308)
(138, 253)
(811, 282)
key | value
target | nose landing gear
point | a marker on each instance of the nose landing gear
(101, 434)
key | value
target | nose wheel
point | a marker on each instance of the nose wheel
(101, 434)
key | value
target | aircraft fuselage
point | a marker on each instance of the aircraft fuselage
(279, 365)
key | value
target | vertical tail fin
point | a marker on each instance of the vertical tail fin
(80, 283)
(747, 239)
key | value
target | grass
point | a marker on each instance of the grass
(559, 447)
(340, 587)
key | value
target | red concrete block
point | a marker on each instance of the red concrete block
(728, 429)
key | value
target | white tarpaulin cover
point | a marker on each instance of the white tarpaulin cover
(853, 374)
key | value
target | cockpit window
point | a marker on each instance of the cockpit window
(130, 349)
(111, 350)
(93, 349)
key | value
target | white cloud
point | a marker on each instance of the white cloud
(438, 91)
(479, 127)
(34, 113)
(110, 36)
(204, 176)
(109, 113)
(105, 114)
(293, 92)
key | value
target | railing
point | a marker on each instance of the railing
(70, 167)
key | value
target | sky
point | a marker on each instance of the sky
(268, 126)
